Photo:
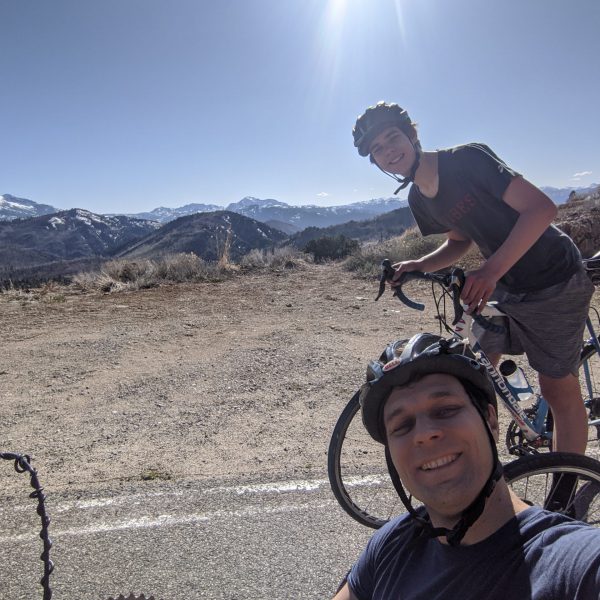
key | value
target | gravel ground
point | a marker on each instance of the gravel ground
(243, 378)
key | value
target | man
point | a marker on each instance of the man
(433, 407)
(531, 268)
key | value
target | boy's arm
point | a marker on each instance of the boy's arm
(536, 212)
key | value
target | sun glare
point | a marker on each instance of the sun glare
(337, 8)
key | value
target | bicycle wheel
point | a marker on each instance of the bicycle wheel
(358, 473)
(560, 481)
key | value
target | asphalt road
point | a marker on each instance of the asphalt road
(182, 540)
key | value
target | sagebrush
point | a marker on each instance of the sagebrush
(411, 245)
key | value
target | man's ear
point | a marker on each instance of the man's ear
(492, 419)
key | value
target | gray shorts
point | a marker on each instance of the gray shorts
(546, 325)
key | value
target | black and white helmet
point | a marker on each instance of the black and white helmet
(404, 362)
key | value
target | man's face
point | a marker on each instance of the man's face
(438, 444)
(393, 151)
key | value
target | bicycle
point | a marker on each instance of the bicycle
(356, 467)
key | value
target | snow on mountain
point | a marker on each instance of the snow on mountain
(163, 214)
(249, 201)
(12, 207)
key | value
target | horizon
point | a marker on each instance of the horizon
(224, 206)
(120, 107)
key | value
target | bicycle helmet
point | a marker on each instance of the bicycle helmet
(372, 122)
(399, 364)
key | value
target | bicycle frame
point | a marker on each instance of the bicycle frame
(532, 430)
(595, 341)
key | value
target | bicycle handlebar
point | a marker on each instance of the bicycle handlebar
(453, 282)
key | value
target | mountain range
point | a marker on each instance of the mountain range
(65, 242)
(561, 195)
(279, 215)
(289, 219)
(68, 235)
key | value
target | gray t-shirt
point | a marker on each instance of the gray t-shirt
(537, 555)
(472, 181)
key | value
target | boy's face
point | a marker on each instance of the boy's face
(438, 444)
(393, 151)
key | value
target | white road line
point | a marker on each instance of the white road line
(171, 521)
(144, 522)
(276, 487)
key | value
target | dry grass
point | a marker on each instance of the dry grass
(410, 245)
(286, 257)
(118, 275)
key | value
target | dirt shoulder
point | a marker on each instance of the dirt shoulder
(239, 379)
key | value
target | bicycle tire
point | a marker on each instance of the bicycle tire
(357, 471)
(536, 477)
(365, 491)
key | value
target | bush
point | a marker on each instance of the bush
(331, 248)
(184, 267)
(410, 245)
(117, 275)
(285, 257)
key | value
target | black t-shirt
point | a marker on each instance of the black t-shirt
(536, 555)
(472, 182)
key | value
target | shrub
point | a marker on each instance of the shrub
(126, 271)
(285, 257)
(331, 248)
(410, 245)
(184, 267)
(117, 275)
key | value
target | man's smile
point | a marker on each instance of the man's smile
(439, 462)
(396, 160)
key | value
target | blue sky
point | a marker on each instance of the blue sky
(126, 105)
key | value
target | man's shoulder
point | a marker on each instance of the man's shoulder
(467, 151)
(474, 157)
(552, 529)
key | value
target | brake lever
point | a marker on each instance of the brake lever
(387, 272)
(457, 281)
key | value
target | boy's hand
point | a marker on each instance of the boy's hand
(405, 266)
(478, 288)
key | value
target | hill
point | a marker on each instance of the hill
(12, 207)
(75, 237)
(207, 235)
(579, 218)
(378, 228)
